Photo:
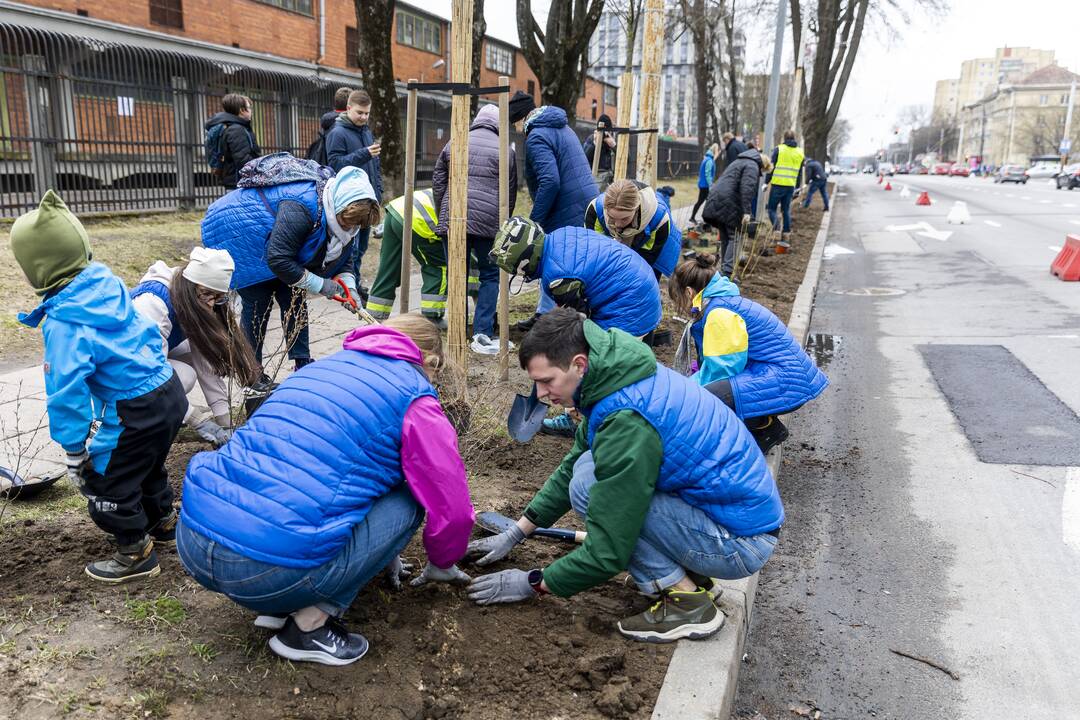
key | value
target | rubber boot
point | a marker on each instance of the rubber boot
(768, 431)
(136, 561)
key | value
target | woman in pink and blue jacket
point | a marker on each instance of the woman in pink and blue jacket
(325, 485)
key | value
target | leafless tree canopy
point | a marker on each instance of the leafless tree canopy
(376, 18)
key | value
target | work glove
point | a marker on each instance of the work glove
(74, 463)
(496, 547)
(433, 573)
(213, 433)
(746, 218)
(321, 286)
(349, 280)
(508, 586)
(397, 571)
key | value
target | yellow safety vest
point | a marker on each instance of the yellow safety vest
(425, 217)
(788, 161)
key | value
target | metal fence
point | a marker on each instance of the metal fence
(115, 127)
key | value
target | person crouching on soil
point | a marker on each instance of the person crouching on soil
(586, 271)
(325, 485)
(190, 307)
(638, 216)
(668, 481)
(744, 354)
(103, 362)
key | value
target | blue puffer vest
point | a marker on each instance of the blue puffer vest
(710, 459)
(619, 285)
(294, 480)
(160, 290)
(240, 222)
(779, 376)
(669, 254)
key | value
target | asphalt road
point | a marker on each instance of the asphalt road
(898, 536)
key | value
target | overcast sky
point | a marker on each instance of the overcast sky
(892, 73)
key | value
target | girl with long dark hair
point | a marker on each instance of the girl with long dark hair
(190, 306)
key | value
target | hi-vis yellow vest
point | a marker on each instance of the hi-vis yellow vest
(788, 161)
(425, 218)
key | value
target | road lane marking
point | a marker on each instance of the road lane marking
(832, 250)
(1055, 248)
(1025, 197)
(991, 223)
(1070, 509)
(1070, 204)
(1075, 222)
(1044, 202)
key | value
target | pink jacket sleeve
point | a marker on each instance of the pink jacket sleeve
(435, 474)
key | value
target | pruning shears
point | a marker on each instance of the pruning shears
(350, 304)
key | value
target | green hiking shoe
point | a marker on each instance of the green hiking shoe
(678, 614)
(136, 561)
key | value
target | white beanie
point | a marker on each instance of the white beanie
(210, 268)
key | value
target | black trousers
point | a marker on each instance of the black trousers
(727, 250)
(702, 196)
(255, 304)
(134, 493)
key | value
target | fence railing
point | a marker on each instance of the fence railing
(115, 127)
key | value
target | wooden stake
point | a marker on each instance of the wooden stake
(504, 215)
(598, 139)
(652, 53)
(410, 179)
(457, 257)
(622, 141)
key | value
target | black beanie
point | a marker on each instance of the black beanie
(521, 104)
(605, 122)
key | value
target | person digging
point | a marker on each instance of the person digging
(669, 482)
(584, 270)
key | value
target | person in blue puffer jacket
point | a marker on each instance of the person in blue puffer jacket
(639, 217)
(286, 239)
(325, 485)
(744, 354)
(559, 178)
(104, 363)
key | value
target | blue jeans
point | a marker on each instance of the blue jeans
(817, 186)
(487, 298)
(331, 587)
(360, 245)
(677, 537)
(780, 195)
(255, 304)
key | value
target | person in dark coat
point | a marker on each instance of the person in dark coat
(350, 142)
(733, 147)
(730, 200)
(818, 178)
(238, 144)
(482, 221)
(341, 101)
(606, 165)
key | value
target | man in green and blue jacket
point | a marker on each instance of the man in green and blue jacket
(670, 484)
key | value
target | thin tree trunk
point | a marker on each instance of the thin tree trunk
(479, 31)
(376, 17)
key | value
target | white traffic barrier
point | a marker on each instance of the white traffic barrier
(959, 214)
(905, 192)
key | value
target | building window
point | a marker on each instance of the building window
(419, 32)
(1065, 99)
(532, 89)
(1043, 99)
(352, 47)
(168, 13)
(610, 95)
(499, 59)
(297, 6)
(594, 109)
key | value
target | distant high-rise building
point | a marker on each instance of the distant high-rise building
(980, 77)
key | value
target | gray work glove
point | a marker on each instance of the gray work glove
(508, 586)
(433, 573)
(398, 570)
(496, 547)
(74, 463)
(213, 433)
(330, 288)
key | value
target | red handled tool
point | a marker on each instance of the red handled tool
(352, 306)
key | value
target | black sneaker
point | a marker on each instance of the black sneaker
(768, 431)
(330, 644)
(136, 561)
(301, 363)
(164, 533)
(527, 324)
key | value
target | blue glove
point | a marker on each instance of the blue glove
(322, 286)
(508, 586)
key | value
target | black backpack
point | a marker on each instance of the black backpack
(317, 150)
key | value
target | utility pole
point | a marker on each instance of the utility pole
(982, 134)
(652, 55)
(1065, 141)
(774, 94)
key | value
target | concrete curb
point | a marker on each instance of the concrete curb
(703, 676)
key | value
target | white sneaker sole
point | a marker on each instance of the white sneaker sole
(697, 631)
(289, 653)
(270, 622)
(484, 349)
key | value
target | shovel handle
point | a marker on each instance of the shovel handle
(561, 534)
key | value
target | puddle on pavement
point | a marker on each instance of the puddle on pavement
(822, 347)
(869, 291)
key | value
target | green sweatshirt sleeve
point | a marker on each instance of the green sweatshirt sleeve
(628, 454)
(553, 500)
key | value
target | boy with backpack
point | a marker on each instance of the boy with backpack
(317, 150)
(230, 143)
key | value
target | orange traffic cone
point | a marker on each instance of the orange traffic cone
(924, 198)
(879, 179)
(888, 186)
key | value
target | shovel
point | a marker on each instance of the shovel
(526, 416)
(496, 523)
(13, 485)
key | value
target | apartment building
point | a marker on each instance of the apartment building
(980, 77)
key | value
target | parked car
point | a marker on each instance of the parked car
(886, 169)
(1069, 177)
(1043, 170)
(942, 168)
(959, 170)
(1010, 173)
(868, 169)
(921, 170)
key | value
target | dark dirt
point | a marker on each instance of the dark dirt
(168, 648)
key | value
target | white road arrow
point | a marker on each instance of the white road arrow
(832, 250)
(927, 230)
(933, 234)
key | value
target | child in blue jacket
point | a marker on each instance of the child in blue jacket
(103, 362)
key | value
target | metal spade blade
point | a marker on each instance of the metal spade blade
(526, 416)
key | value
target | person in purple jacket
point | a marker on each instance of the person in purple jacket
(325, 485)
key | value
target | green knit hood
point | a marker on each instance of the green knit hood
(616, 359)
(50, 245)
